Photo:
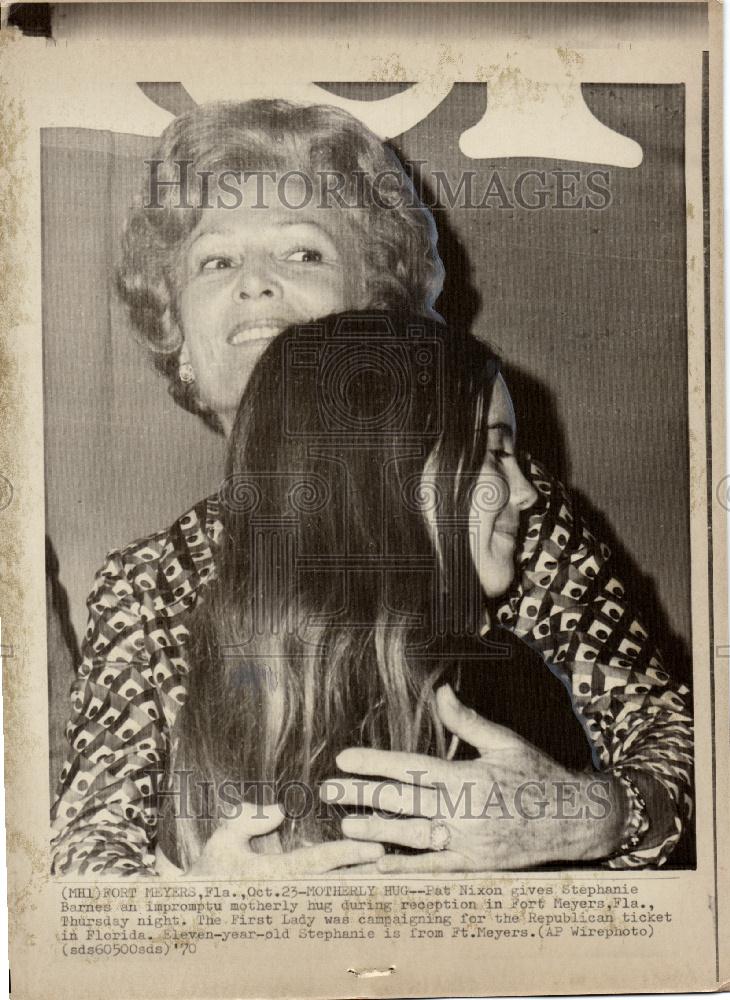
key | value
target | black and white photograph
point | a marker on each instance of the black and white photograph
(378, 484)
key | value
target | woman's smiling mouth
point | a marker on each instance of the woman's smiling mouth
(256, 329)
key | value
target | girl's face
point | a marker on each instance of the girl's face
(247, 274)
(500, 495)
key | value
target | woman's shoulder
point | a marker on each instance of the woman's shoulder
(192, 536)
(164, 570)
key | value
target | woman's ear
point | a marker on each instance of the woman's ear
(172, 335)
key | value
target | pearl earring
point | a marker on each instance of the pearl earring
(185, 373)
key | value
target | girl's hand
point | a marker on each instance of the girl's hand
(228, 853)
(512, 807)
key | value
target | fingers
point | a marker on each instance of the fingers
(371, 868)
(484, 736)
(404, 832)
(335, 854)
(410, 768)
(227, 852)
(431, 863)
(383, 796)
(253, 821)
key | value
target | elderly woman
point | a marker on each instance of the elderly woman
(209, 287)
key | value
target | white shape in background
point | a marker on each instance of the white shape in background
(394, 115)
(536, 108)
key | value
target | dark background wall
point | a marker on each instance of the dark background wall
(587, 309)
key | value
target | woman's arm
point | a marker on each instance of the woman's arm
(127, 690)
(570, 608)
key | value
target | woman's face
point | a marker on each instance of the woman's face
(247, 274)
(500, 495)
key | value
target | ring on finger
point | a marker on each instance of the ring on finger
(440, 835)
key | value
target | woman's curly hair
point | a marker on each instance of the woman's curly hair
(401, 268)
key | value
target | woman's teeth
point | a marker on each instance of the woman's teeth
(253, 333)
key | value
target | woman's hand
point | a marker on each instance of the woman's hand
(510, 808)
(228, 852)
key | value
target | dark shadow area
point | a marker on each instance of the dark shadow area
(539, 430)
(63, 655)
(60, 602)
(33, 19)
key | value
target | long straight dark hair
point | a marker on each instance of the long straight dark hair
(345, 586)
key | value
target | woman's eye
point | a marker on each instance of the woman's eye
(215, 263)
(305, 256)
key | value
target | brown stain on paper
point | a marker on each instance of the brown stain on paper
(27, 863)
(388, 69)
(510, 80)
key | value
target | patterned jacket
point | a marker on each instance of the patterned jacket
(132, 679)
